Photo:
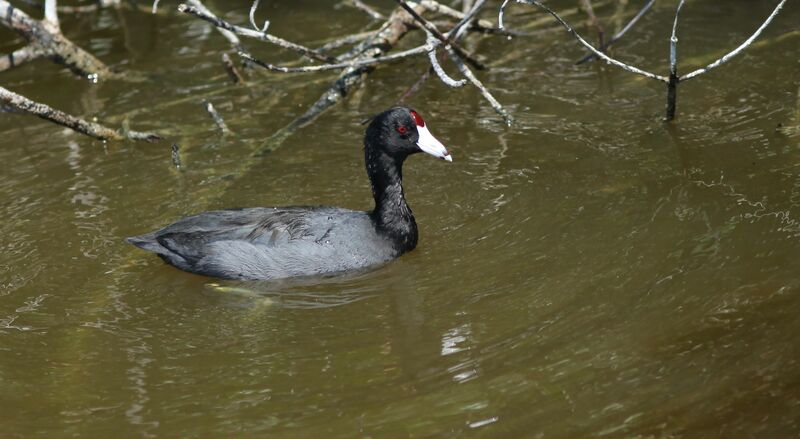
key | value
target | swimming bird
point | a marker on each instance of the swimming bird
(284, 242)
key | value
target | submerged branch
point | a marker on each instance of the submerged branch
(19, 57)
(620, 34)
(48, 41)
(360, 62)
(91, 129)
(245, 32)
(447, 40)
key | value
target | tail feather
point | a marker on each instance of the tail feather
(147, 242)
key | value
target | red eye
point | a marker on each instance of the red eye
(417, 119)
(402, 129)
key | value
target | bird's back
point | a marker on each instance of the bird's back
(270, 243)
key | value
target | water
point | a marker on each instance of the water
(590, 271)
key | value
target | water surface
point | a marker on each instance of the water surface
(589, 271)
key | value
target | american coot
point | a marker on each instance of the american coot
(281, 242)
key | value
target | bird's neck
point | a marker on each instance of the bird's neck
(392, 216)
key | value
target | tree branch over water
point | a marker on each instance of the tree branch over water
(370, 49)
(45, 39)
(673, 79)
(91, 129)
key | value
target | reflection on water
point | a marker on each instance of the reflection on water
(590, 271)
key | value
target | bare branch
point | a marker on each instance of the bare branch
(739, 49)
(343, 41)
(51, 14)
(587, 5)
(580, 39)
(49, 42)
(432, 43)
(358, 4)
(59, 117)
(618, 35)
(253, 18)
(176, 157)
(396, 27)
(217, 118)
(672, 85)
(230, 36)
(477, 83)
(245, 32)
(19, 57)
(415, 87)
(233, 72)
(359, 62)
(441, 37)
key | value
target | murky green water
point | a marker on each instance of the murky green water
(589, 271)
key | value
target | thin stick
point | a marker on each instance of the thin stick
(436, 7)
(343, 41)
(415, 87)
(587, 5)
(51, 14)
(477, 83)
(375, 15)
(580, 39)
(253, 18)
(672, 85)
(59, 117)
(230, 68)
(441, 37)
(395, 27)
(450, 82)
(19, 57)
(245, 32)
(230, 36)
(738, 50)
(50, 42)
(217, 118)
(618, 35)
(360, 62)
(176, 157)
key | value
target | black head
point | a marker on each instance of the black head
(401, 131)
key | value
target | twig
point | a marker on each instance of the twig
(230, 36)
(245, 32)
(59, 117)
(672, 85)
(217, 118)
(47, 40)
(618, 35)
(230, 68)
(176, 157)
(375, 15)
(396, 27)
(438, 68)
(738, 50)
(51, 14)
(437, 7)
(477, 83)
(441, 37)
(343, 41)
(587, 5)
(19, 57)
(253, 9)
(360, 62)
(580, 39)
(415, 87)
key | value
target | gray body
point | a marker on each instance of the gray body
(283, 242)
(270, 243)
